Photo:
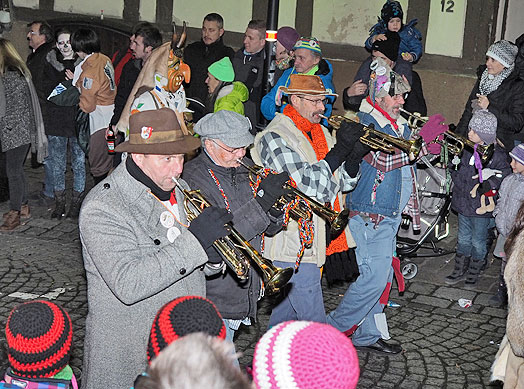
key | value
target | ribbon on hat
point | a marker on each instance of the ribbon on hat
(478, 162)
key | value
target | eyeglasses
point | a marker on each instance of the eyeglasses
(323, 101)
(34, 32)
(229, 151)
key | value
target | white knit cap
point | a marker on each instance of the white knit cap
(504, 52)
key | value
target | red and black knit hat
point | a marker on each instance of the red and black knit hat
(182, 316)
(39, 337)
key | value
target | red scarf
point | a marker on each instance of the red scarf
(384, 113)
(314, 134)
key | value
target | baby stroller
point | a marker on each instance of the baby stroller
(434, 189)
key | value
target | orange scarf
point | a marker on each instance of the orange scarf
(314, 134)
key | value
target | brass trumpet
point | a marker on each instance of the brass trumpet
(379, 140)
(454, 141)
(415, 120)
(235, 250)
(337, 220)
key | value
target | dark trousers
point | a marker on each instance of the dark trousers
(13, 164)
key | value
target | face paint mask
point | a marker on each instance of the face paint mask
(177, 71)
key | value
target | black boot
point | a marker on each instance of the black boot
(60, 204)
(500, 299)
(459, 272)
(4, 189)
(472, 276)
(76, 203)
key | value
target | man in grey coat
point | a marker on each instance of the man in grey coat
(139, 250)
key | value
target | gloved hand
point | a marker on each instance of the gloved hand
(271, 189)
(347, 136)
(431, 130)
(210, 225)
(355, 157)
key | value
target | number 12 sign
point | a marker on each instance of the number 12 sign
(445, 34)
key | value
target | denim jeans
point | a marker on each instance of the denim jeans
(472, 235)
(230, 334)
(360, 303)
(57, 162)
(301, 299)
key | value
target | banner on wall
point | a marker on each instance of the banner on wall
(447, 19)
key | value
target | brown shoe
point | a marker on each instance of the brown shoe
(11, 221)
(25, 212)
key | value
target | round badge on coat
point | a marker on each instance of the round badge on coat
(167, 219)
(172, 234)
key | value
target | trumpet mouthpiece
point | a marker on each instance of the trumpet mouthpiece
(323, 116)
(175, 180)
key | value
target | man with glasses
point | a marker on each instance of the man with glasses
(385, 190)
(296, 143)
(225, 182)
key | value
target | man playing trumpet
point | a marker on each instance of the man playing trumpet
(385, 190)
(296, 143)
(225, 183)
(139, 252)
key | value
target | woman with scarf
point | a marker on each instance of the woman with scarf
(21, 126)
(500, 90)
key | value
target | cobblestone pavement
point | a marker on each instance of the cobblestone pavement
(445, 346)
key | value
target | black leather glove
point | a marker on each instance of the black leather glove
(355, 157)
(210, 225)
(347, 136)
(271, 189)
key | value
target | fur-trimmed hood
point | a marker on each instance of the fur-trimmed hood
(56, 60)
(514, 277)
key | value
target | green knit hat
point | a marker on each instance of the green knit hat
(222, 70)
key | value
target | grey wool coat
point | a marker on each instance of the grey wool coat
(132, 270)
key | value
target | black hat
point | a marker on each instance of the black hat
(389, 46)
(390, 10)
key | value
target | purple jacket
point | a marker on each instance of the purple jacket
(462, 202)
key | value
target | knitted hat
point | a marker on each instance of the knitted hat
(389, 46)
(302, 354)
(230, 127)
(504, 52)
(39, 336)
(518, 153)
(222, 70)
(390, 10)
(309, 43)
(182, 316)
(384, 81)
(287, 36)
(484, 123)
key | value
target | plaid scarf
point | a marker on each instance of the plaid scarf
(314, 134)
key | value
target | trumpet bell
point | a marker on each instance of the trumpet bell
(339, 222)
(274, 280)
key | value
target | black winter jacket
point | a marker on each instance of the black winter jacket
(58, 120)
(506, 103)
(199, 56)
(128, 77)
(461, 201)
(234, 299)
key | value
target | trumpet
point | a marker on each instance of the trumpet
(415, 120)
(379, 140)
(454, 141)
(337, 220)
(235, 250)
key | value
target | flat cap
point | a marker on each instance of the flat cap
(230, 127)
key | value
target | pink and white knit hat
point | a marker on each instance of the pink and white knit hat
(303, 354)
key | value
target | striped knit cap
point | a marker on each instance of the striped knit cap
(39, 337)
(182, 316)
(302, 354)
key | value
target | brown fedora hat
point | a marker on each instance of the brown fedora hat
(157, 132)
(308, 85)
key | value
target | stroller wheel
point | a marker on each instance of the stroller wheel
(409, 270)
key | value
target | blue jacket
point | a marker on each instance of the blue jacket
(387, 202)
(410, 38)
(268, 106)
(462, 202)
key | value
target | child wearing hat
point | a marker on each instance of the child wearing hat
(511, 197)
(223, 92)
(474, 191)
(305, 355)
(390, 19)
(39, 337)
